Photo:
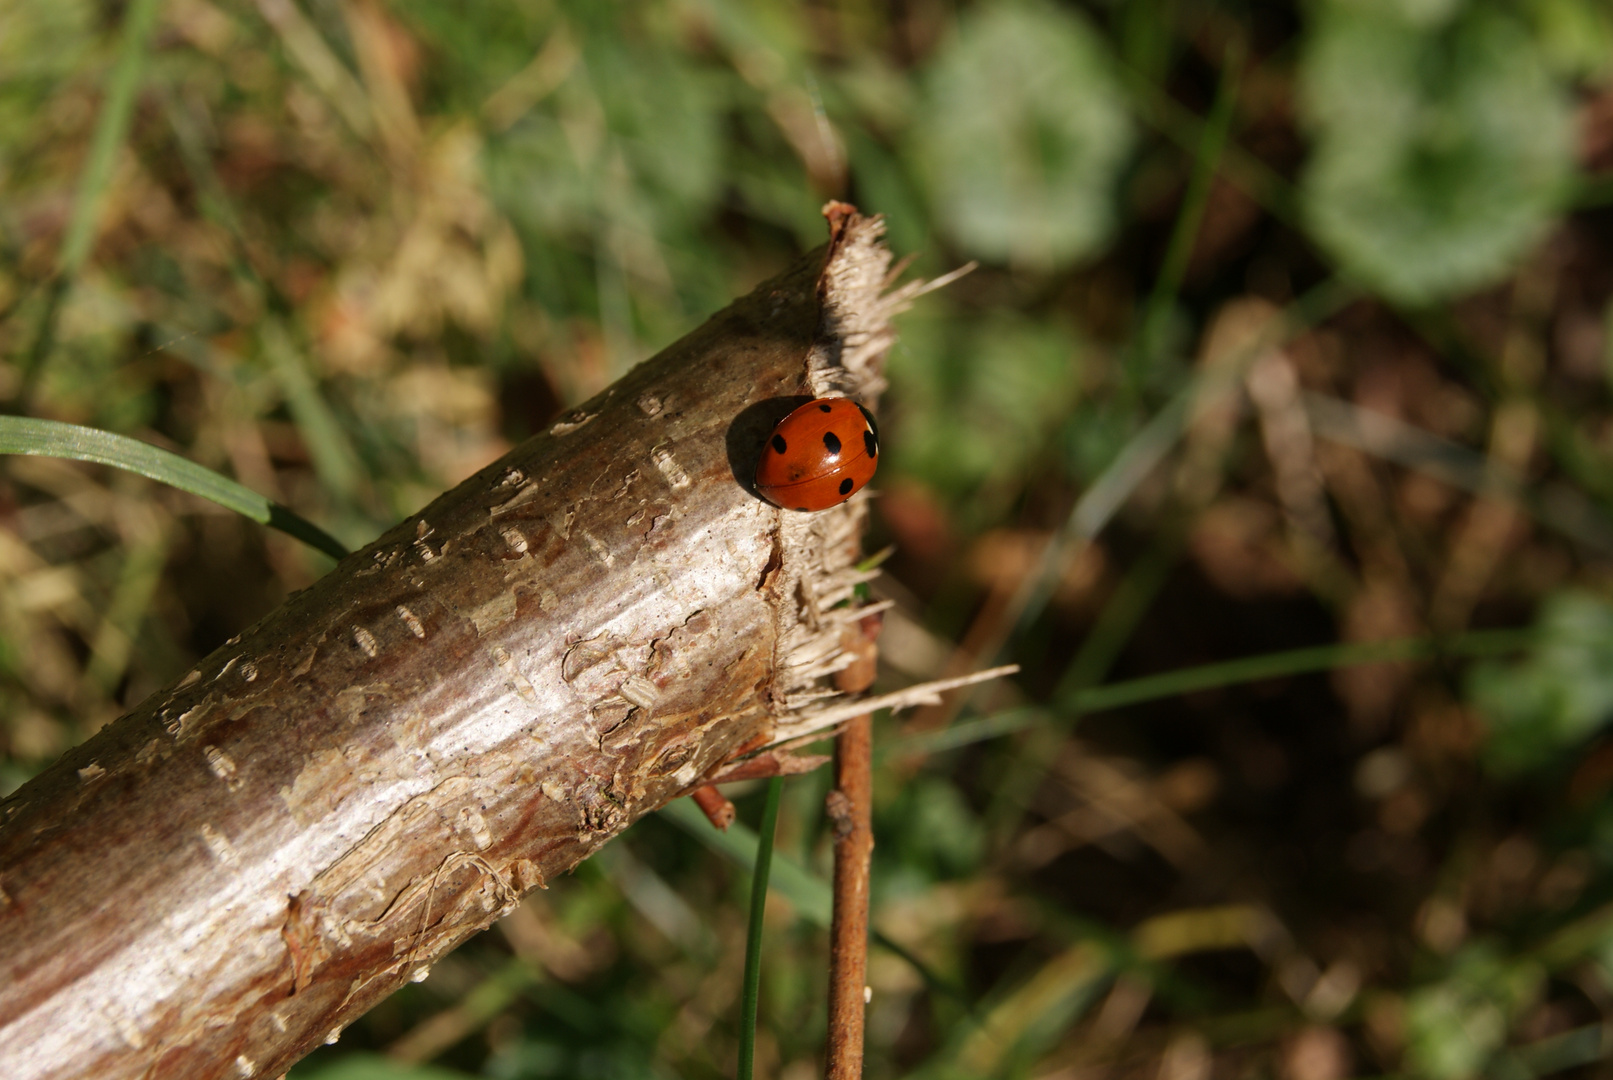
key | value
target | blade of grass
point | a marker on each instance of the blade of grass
(1119, 618)
(126, 608)
(211, 198)
(1257, 179)
(52, 438)
(309, 51)
(1025, 1022)
(1079, 702)
(335, 462)
(967, 733)
(753, 932)
(1556, 1053)
(111, 130)
(1206, 160)
(1291, 662)
(1075, 701)
(477, 1008)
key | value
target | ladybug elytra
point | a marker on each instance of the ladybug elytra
(819, 456)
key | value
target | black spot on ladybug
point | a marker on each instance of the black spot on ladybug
(871, 443)
(845, 486)
(801, 510)
(778, 444)
(831, 442)
(825, 408)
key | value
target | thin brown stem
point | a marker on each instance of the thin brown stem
(851, 809)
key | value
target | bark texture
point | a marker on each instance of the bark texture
(224, 878)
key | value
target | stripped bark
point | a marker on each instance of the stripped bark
(226, 877)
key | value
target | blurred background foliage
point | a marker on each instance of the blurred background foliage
(1272, 436)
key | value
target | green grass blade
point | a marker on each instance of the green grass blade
(753, 933)
(1120, 617)
(1209, 677)
(1103, 644)
(335, 461)
(52, 438)
(125, 609)
(1292, 662)
(111, 129)
(298, 527)
(1156, 108)
(966, 733)
(1074, 701)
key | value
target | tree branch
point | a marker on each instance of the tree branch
(229, 875)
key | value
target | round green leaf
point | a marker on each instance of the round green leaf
(1441, 155)
(1021, 136)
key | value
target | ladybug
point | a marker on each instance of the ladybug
(819, 456)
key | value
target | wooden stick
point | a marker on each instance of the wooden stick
(851, 809)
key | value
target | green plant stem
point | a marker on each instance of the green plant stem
(753, 933)
(335, 461)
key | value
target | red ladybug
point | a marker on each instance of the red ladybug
(819, 456)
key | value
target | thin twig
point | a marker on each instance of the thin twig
(851, 810)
